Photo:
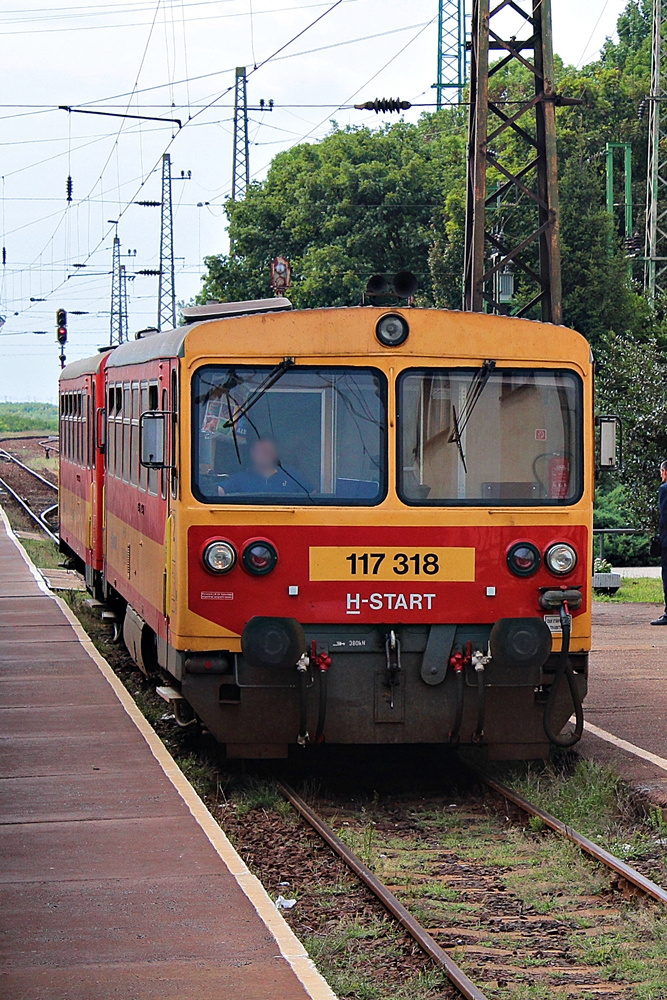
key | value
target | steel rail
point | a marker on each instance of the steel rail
(428, 944)
(29, 511)
(604, 857)
(12, 458)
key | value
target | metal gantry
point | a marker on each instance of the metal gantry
(166, 299)
(119, 324)
(626, 204)
(241, 152)
(530, 244)
(655, 250)
(452, 58)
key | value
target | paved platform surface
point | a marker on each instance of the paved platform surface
(627, 699)
(115, 881)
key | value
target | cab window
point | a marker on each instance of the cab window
(289, 435)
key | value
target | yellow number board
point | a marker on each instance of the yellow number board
(451, 565)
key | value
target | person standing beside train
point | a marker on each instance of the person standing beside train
(662, 531)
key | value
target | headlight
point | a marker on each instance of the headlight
(259, 558)
(560, 558)
(392, 330)
(523, 559)
(219, 557)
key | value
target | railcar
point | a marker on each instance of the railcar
(359, 525)
(81, 468)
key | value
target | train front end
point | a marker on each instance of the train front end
(384, 530)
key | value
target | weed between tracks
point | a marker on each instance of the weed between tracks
(525, 914)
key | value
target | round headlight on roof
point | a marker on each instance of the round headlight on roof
(560, 558)
(219, 557)
(392, 330)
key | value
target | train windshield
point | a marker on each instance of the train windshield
(490, 436)
(289, 434)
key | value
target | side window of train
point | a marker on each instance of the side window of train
(127, 425)
(134, 436)
(143, 406)
(153, 397)
(165, 472)
(111, 413)
(90, 429)
(174, 434)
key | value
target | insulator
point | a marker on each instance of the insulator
(384, 104)
(642, 109)
(69, 188)
(4, 255)
(148, 204)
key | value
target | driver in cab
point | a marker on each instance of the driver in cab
(266, 474)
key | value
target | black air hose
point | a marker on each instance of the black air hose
(478, 735)
(322, 708)
(458, 716)
(303, 737)
(564, 669)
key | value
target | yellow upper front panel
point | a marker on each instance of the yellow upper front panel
(343, 334)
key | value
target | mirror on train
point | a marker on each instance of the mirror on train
(153, 439)
(609, 443)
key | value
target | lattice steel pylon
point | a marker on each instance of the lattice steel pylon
(452, 60)
(530, 246)
(166, 298)
(655, 250)
(118, 332)
(241, 151)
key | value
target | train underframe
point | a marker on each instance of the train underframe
(388, 684)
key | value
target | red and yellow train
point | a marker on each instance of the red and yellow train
(364, 525)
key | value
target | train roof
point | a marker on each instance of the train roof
(87, 366)
(170, 344)
(435, 333)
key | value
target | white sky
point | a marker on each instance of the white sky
(94, 55)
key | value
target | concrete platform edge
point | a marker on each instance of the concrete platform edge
(289, 945)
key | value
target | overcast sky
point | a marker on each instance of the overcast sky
(134, 56)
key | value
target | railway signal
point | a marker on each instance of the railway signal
(61, 334)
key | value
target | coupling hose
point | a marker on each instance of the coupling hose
(564, 669)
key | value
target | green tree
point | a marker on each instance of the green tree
(357, 203)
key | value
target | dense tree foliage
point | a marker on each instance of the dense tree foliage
(363, 201)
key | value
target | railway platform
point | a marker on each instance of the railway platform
(626, 707)
(116, 883)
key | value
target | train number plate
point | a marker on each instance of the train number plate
(451, 565)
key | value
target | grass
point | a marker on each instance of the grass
(339, 954)
(634, 590)
(43, 553)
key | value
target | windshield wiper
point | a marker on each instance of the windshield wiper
(274, 375)
(475, 390)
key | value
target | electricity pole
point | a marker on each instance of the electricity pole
(241, 152)
(452, 61)
(118, 334)
(166, 296)
(527, 243)
(655, 267)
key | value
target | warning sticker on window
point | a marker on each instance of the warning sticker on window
(553, 621)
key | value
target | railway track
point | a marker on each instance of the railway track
(30, 491)
(424, 937)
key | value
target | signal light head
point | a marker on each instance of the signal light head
(219, 557)
(523, 559)
(259, 558)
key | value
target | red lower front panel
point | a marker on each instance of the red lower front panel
(391, 574)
